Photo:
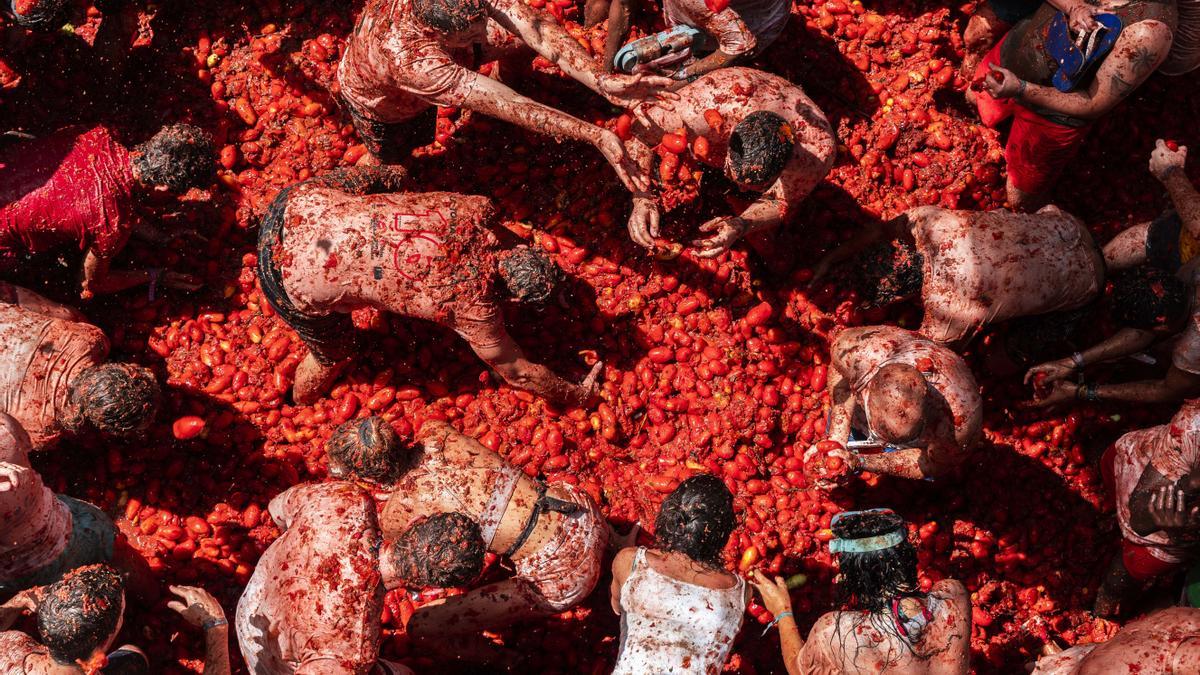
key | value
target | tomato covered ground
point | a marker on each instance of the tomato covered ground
(710, 365)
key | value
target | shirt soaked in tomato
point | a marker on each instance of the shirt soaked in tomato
(744, 27)
(983, 267)
(957, 419)
(1166, 642)
(395, 67)
(316, 594)
(15, 649)
(34, 525)
(40, 356)
(423, 255)
(67, 189)
(1173, 449)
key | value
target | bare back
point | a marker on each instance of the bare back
(1164, 643)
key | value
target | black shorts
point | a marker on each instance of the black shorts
(393, 142)
(1162, 242)
(331, 338)
(1012, 11)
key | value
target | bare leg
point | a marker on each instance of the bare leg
(314, 379)
(1116, 590)
(1127, 249)
(452, 629)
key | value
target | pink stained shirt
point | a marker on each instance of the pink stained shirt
(984, 267)
(316, 594)
(67, 189)
(15, 649)
(35, 526)
(1173, 449)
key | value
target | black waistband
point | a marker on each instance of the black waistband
(543, 503)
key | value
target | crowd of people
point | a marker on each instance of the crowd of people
(902, 403)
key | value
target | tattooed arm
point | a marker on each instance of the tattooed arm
(1139, 51)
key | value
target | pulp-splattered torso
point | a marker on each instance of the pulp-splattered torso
(34, 525)
(1165, 643)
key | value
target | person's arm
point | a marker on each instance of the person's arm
(734, 40)
(1120, 344)
(842, 405)
(1168, 167)
(495, 347)
(1176, 386)
(200, 609)
(618, 31)
(98, 279)
(492, 98)
(283, 507)
(30, 301)
(1138, 53)
(1080, 15)
(905, 463)
(622, 563)
(25, 601)
(778, 601)
(364, 180)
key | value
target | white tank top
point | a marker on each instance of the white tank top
(671, 626)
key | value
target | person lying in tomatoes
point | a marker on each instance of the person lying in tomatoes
(348, 240)
(55, 377)
(314, 602)
(82, 189)
(1153, 476)
(1165, 642)
(762, 131)
(973, 268)
(888, 621)
(906, 395)
(406, 56)
(554, 534)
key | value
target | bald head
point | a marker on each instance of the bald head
(896, 402)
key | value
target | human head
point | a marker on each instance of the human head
(368, 449)
(82, 613)
(441, 551)
(876, 562)
(696, 519)
(759, 148)
(179, 157)
(449, 16)
(888, 272)
(529, 276)
(119, 399)
(40, 14)
(895, 402)
(1150, 299)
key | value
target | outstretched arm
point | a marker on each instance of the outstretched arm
(778, 601)
(200, 609)
(28, 300)
(495, 347)
(1167, 165)
(905, 463)
(1176, 386)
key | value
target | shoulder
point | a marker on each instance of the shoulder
(1144, 39)
(623, 561)
(951, 589)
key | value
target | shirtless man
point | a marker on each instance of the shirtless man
(972, 268)
(338, 242)
(768, 137)
(993, 18)
(554, 534)
(908, 395)
(888, 622)
(1154, 477)
(406, 56)
(1166, 642)
(54, 379)
(1048, 125)
(80, 189)
(314, 601)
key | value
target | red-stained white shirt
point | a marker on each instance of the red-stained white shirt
(394, 67)
(1173, 449)
(39, 357)
(15, 649)
(316, 594)
(987, 266)
(424, 255)
(744, 27)
(34, 525)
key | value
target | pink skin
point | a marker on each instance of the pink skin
(34, 525)
(953, 415)
(734, 93)
(1162, 643)
(436, 260)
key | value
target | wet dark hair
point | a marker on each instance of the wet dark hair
(1148, 298)
(1034, 339)
(530, 276)
(889, 272)
(868, 581)
(369, 448)
(119, 399)
(179, 156)
(759, 148)
(81, 612)
(696, 519)
(42, 15)
(449, 16)
(441, 551)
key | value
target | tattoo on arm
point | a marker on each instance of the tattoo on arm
(1143, 61)
(1119, 86)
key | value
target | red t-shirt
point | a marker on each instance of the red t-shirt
(69, 188)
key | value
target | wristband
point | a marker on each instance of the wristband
(1021, 88)
(1077, 359)
(776, 620)
(1080, 392)
(155, 273)
(1091, 393)
(213, 623)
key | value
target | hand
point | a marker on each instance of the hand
(1164, 161)
(589, 389)
(1168, 509)
(1001, 82)
(1060, 392)
(643, 222)
(774, 592)
(181, 282)
(629, 91)
(1052, 370)
(198, 605)
(635, 179)
(725, 231)
(11, 476)
(1082, 20)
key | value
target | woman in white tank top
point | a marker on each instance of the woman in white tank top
(680, 611)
